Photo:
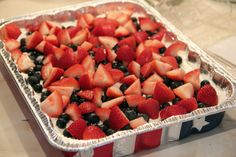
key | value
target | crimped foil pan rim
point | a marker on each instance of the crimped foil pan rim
(84, 145)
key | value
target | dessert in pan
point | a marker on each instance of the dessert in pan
(102, 73)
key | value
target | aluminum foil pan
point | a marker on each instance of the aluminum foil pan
(124, 142)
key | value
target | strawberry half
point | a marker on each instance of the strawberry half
(150, 107)
(93, 132)
(185, 91)
(100, 54)
(86, 81)
(77, 128)
(147, 69)
(45, 71)
(193, 77)
(147, 24)
(67, 91)
(116, 74)
(15, 54)
(33, 40)
(75, 71)
(114, 102)
(125, 53)
(162, 93)
(145, 56)
(189, 104)
(161, 68)
(12, 30)
(103, 113)
(170, 60)
(87, 107)
(129, 79)
(117, 118)
(67, 82)
(86, 94)
(207, 95)
(97, 98)
(63, 37)
(129, 41)
(134, 68)
(134, 88)
(73, 111)
(140, 36)
(137, 122)
(176, 74)
(114, 91)
(173, 49)
(108, 42)
(134, 100)
(54, 75)
(102, 78)
(173, 110)
(12, 44)
(25, 63)
(148, 87)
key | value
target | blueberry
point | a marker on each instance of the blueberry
(29, 33)
(116, 65)
(67, 134)
(38, 75)
(39, 60)
(91, 53)
(142, 78)
(116, 47)
(130, 114)
(123, 87)
(65, 117)
(44, 95)
(145, 117)
(110, 132)
(164, 105)
(162, 50)
(166, 80)
(175, 100)
(32, 57)
(104, 128)
(106, 123)
(127, 127)
(38, 88)
(38, 67)
(149, 96)
(61, 123)
(124, 105)
(80, 100)
(134, 19)
(23, 49)
(204, 82)
(74, 97)
(22, 42)
(92, 118)
(105, 98)
(123, 68)
(30, 72)
(33, 80)
(201, 105)
(178, 59)
(104, 62)
(175, 84)
(150, 33)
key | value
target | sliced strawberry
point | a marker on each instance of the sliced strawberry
(130, 41)
(86, 81)
(103, 113)
(87, 45)
(73, 30)
(140, 36)
(150, 107)
(93, 40)
(54, 75)
(75, 71)
(176, 74)
(77, 128)
(162, 93)
(86, 94)
(161, 68)
(173, 110)
(104, 30)
(108, 66)
(93, 132)
(117, 118)
(114, 91)
(113, 102)
(81, 22)
(130, 26)
(111, 55)
(89, 65)
(207, 95)
(147, 69)
(173, 49)
(63, 37)
(193, 77)
(102, 78)
(15, 54)
(185, 91)
(129, 79)
(159, 35)
(116, 74)
(89, 18)
(134, 88)
(97, 98)
(51, 39)
(134, 68)
(80, 54)
(60, 56)
(48, 48)
(12, 44)
(54, 30)
(139, 49)
(80, 37)
(33, 40)
(145, 56)
(170, 60)
(147, 24)
(62, 90)
(154, 78)
(120, 17)
(52, 24)
(121, 31)
(134, 100)
(104, 21)
(108, 42)
(125, 53)
(148, 87)
(45, 71)
(189, 104)
(137, 122)
(100, 54)
(65, 100)
(24, 63)
(73, 111)
(12, 31)
(87, 107)
(52, 105)
(40, 46)
(169, 37)
(153, 45)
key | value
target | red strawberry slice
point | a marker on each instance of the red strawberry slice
(52, 105)
(108, 66)
(193, 77)
(161, 68)
(173, 110)
(73, 111)
(130, 41)
(145, 56)
(100, 54)
(33, 40)
(77, 128)
(89, 65)
(12, 44)
(207, 95)
(86, 81)
(87, 107)
(116, 74)
(54, 75)
(12, 31)
(104, 21)
(86, 94)
(40, 46)
(25, 63)
(154, 78)
(169, 37)
(80, 37)
(93, 132)
(60, 56)
(170, 60)
(75, 71)
(97, 98)
(72, 30)
(114, 91)
(54, 30)
(51, 39)
(162, 93)
(130, 26)
(134, 68)
(113, 102)
(67, 82)
(103, 113)
(173, 49)
(80, 54)
(176, 74)
(15, 54)
(81, 22)
(87, 45)
(93, 40)
(129, 79)
(45, 71)
(134, 100)
(153, 45)
(108, 42)
(140, 36)
(125, 53)
(63, 37)
(139, 49)
(48, 48)
(189, 104)
(121, 31)
(102, 78)
(147, 69)
(148, 87)
(147, 24)
(111, 55)
(65, 100)
(53, 24)
(137, 122)
(67, 91)
(117, 118)
(104, 30)
(134, 88)
(159, 35)
(120, 17)
(185, 91)
(89, 18)
(150, 107)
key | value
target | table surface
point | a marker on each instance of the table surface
(206, 22)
